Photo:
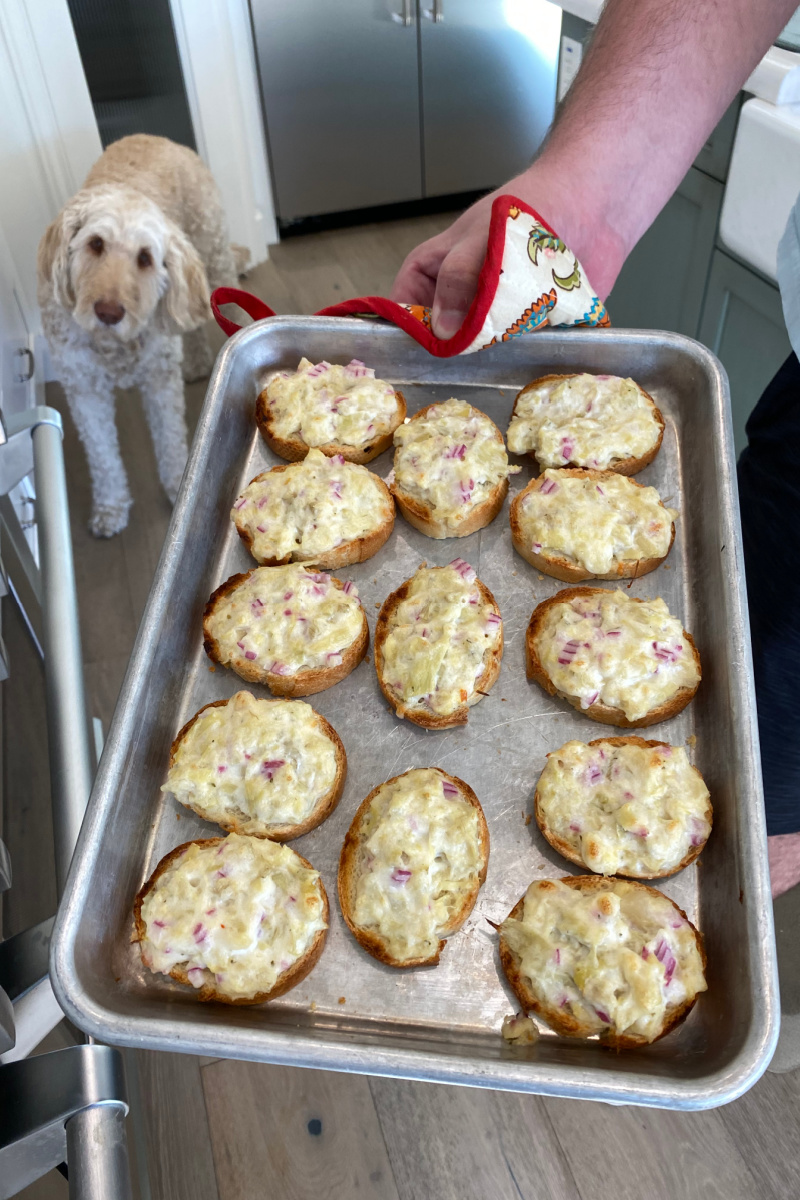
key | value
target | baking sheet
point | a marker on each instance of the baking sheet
(442, 1023)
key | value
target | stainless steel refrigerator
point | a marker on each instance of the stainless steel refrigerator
(371, 102)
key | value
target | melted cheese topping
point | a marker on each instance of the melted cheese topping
(594, 524)
(629, 654)
(261, 763)
(419, 859)
(586, 420)
(634, 810)
(451, 460)
(237, 915)
(438, 640)
(328, 403)
(311, 507)
(615, 959)
(286, 619)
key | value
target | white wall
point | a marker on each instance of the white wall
(218, 59)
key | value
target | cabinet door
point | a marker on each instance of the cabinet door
(743, 324)
(661, 285)
(488, 88)
(340, 86)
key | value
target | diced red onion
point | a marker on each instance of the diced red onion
(319, 369)
(160, 924)
(567, 448)
(199, 932)
(600, 490)
(400, 876)
(645, 952)
(548, 487)
(456, 452)
(557, 956)
(336, 488)
(334, 659)
(536, 547)
(593, 774)
(349, 588)
(568, 652)
(261, 529)
(588, 701)
(667, 959)
(338, 459)
(288, 595)
(270, 769)
(240, 503)
(603, 1016)
(613, 633)
(575, 827)
(464, 569)
(494, 619)
(450, 790)
(222, 769)
(279, 668)
(250, 655)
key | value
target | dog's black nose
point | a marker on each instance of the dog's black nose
(109, 312)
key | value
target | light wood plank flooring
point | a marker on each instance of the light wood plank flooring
(219, 1130)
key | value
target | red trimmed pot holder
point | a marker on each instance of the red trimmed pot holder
(528, 279)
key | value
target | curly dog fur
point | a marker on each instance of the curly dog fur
(124, 271)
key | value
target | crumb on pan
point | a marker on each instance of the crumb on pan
(692, 740)
(519, 1030)
(342, 999)
(528, 819)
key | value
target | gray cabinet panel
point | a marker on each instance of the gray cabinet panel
(743, 324)
(488, 89)
(340, 86)
(662, 283)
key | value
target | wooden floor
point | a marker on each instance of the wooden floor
(220, 1130)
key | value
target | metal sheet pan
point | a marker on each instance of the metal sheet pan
(441, 1024)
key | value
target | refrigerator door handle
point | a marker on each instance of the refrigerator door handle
(406, 14)
(435, 14)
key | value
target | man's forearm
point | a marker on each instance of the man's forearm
(657, 78)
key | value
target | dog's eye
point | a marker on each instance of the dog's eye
(144, 259)
(96, 245)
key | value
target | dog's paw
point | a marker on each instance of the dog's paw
(108, 520)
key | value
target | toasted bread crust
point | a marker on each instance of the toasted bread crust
(279, 833)
(599, 711)
(347, 879)
(284, 983)
(294, 449)
(566, 569)
(620, 466)
(484, 683)
(344, 555)
(421, 516)
(568, 852)
(303, 683)
(566, 1024)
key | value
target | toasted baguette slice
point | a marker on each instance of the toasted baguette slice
(451, 470)
(523, 441)
(384, 863)
(540, 953)
(318, 409)
(670, 694)
(270, 768)
(445, 600)
(321, 510)
(585, 513)
(197, 924)
(624, 806)
(287, 598)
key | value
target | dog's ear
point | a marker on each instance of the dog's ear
(186, 301)
(52, 260)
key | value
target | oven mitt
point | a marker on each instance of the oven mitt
(528, 279)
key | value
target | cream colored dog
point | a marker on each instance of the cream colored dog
(124, 270)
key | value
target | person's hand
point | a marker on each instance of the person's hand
(442, 273)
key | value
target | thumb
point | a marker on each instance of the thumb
(456, 284)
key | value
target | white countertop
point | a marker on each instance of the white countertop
(776, 79)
